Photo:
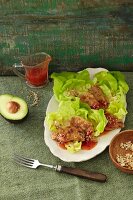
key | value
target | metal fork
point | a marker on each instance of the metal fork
(32, 163)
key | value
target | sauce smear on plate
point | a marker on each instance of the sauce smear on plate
(104, 133)
(62, 145)
(88, 145)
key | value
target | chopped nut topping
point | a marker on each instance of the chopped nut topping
(35, 97)
(128, 145)
(127, 159)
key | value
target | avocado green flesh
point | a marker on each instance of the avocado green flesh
(20, 114)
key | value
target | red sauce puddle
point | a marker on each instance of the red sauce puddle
(62, 145)
(86, 145)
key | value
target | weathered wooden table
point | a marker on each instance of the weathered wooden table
(77, 34)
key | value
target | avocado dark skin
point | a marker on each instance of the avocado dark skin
(16, 121)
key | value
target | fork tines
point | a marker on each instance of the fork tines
(23, 161)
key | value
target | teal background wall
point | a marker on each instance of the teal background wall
(76, 33)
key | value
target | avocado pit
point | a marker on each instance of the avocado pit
(13, 107)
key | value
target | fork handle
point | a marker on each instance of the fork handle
(83, 173)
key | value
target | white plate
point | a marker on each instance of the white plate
(82, 155)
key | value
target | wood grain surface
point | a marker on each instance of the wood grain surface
(77, 34)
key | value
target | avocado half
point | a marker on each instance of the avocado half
(13, 108)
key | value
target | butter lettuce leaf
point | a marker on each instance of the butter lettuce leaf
(106, 78)
(65, 82)
(115, 87)
(69, 109)
(62, 115)
(99, 121)
(66, 110)
(121, 80)
(73, 147)
(117, 104)
(106, 90)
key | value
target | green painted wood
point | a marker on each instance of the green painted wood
(77, 34)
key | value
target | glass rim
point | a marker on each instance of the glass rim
(48, 58)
